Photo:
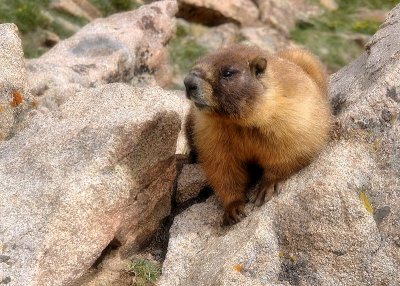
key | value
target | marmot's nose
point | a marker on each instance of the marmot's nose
(191, 85)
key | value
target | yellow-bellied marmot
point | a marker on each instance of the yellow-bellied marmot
(253, 108)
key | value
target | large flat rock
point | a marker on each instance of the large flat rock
(99, 170)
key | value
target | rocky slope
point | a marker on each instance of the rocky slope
(334, 223)
(89, 167)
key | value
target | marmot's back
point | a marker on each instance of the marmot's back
(309, 63)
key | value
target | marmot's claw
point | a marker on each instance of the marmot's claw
(261, 195)
(233, 214)
(260, 198)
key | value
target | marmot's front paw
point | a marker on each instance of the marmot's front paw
(234, 213)
(261, 194)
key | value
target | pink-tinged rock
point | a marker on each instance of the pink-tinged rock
(97, 170)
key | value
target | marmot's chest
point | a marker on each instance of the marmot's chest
(273, 152)
(244, 143)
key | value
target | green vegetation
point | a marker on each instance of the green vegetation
(25, 14)
(108, 7)
(337, 36)
(146, 272)
(35, 17)
(334, 50)
(184, 49)
(31, 22)
(32, 43)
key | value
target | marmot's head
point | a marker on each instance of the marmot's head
(227, 82)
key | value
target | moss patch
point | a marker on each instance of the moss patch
(332, 35)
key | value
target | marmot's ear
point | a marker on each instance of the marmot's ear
(258, 66)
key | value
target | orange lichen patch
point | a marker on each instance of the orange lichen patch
(238, 267)
(1, 108)
(16, 99)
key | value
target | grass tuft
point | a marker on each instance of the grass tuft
(146, 272)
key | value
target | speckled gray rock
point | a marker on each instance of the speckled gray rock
(125, 47)
(100, 169)
(12, 78)
(337, 221)
(190, 182)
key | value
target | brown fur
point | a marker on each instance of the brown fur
(271, 110)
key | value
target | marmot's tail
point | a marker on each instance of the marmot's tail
(309, 63)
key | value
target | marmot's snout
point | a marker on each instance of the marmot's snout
(194, 91)
(229, 82)
(192, 86)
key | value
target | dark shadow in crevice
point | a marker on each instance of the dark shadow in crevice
(113, 245)
(203, 15)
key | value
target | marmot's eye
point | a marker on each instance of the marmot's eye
(228, 73)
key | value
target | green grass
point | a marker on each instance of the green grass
(334, 51)
(25, 14)
(32, 43)
(351, 5)
(330, 35)
(146, 272)
(184, 50)
(108, 7)
(75, 20)
(32, 23)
